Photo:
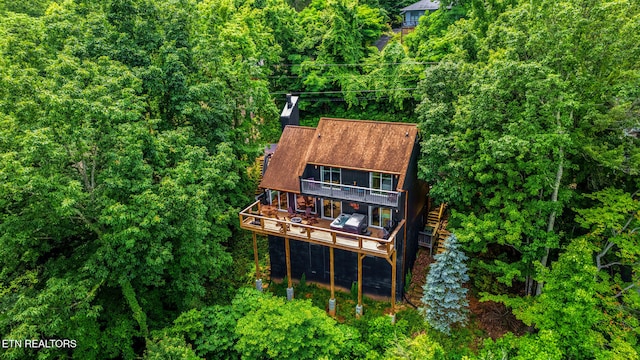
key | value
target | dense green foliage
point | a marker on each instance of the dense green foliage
(528, 123)
(126, 130)
(258, 325)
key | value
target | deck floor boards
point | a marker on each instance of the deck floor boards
(296, 232)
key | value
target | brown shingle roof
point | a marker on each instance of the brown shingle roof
(355, 144)
(364, 145)
(289, 159)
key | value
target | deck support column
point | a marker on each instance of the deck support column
(255, 257)
(332, 300)
(359, 306)
(288, 258)
(394, 259)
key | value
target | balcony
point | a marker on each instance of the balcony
(347, 192)
(267, 220)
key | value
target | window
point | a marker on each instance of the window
(331, 208)
(329, 175)
(380, 181)
(379, 216)
(302, 202)
(279, 199)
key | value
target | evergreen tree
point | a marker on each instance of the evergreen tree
(444, 297)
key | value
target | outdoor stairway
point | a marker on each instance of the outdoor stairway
(436, 215)
(443, 234)
(437, 220)
(260, 165)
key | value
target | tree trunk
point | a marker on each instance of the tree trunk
(552, 217)
(554, 199)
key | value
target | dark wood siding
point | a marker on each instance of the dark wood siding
(355, 178)
(348, 176)
(310, 172)
(355, 207)
(313, 261)
(417, 199)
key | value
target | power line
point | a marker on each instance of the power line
(330, 99)
(336, 76)
(361, 64)
(337, 91)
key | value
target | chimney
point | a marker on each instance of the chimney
(290, 114)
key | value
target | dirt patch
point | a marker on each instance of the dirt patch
(495, 318)
(418, 278)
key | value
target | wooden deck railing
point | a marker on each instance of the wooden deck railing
(253, 219)
(350, 192)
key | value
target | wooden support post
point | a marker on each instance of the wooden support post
(255, 255)
(359, 306)
(288, 259)
(332, 300)
(393, 281)
(333, 293)
(404, 240)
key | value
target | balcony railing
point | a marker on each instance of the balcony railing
(266, 220)
(348, 192)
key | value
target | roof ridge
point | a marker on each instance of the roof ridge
(368, 121)
(301, 127)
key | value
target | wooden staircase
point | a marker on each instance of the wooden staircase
(443, 234)
(257, 170)
(437, 220)
(260, 169)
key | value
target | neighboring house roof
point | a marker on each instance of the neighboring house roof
(288, 160)
(421, 5)
(353, 144)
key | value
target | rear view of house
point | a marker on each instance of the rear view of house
(342, 205)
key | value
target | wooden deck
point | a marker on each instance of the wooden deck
(269, 221)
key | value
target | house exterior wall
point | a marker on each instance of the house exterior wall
(417, 197)
(348, 176)
(311, 172)
(313, 261)
(411, 17)
(354, 177)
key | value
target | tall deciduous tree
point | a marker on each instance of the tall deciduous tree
(580, 308)
(508, 134)
(120, 169)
